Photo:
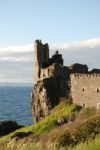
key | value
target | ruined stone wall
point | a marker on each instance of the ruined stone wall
(45, 55)
(37, 59)
(85, 89)
(41, 57)
(55, 70)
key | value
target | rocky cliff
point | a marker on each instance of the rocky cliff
(47, 91)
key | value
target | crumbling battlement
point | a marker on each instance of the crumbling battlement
(80, 76)
(41, 58)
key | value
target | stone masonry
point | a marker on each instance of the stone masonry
(85, 89)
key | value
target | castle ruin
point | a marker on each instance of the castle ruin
(55, 82)
(42, 60)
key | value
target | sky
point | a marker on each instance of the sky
(71, 26)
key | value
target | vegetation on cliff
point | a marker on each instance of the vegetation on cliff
(68, 127)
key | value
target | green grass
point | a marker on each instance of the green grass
(47, 132)
(50, 122)
(90, 145)
(46, 125)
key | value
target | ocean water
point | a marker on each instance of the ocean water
(15, 104)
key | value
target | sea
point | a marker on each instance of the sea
(15, 104)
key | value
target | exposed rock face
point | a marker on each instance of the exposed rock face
(7, 127)
(95, 71)
(47, 92)
(79, 68)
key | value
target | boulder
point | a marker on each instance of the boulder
(7, 127)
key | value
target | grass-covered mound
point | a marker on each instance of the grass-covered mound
(67, 127)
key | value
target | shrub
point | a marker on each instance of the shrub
(85, 131)
(88, 129)
(63, 140)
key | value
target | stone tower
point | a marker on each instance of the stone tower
(41, 58)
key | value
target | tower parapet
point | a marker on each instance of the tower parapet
(83, 76)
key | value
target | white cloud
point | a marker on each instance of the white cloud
(24, 53)
(17, 49)
(17, 59)
(85, 52)
(92, 43)
(16, 62)
(17, 53)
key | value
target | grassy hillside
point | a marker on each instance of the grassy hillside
(68, 127)
(90, 145)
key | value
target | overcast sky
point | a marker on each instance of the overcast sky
(72, 27)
